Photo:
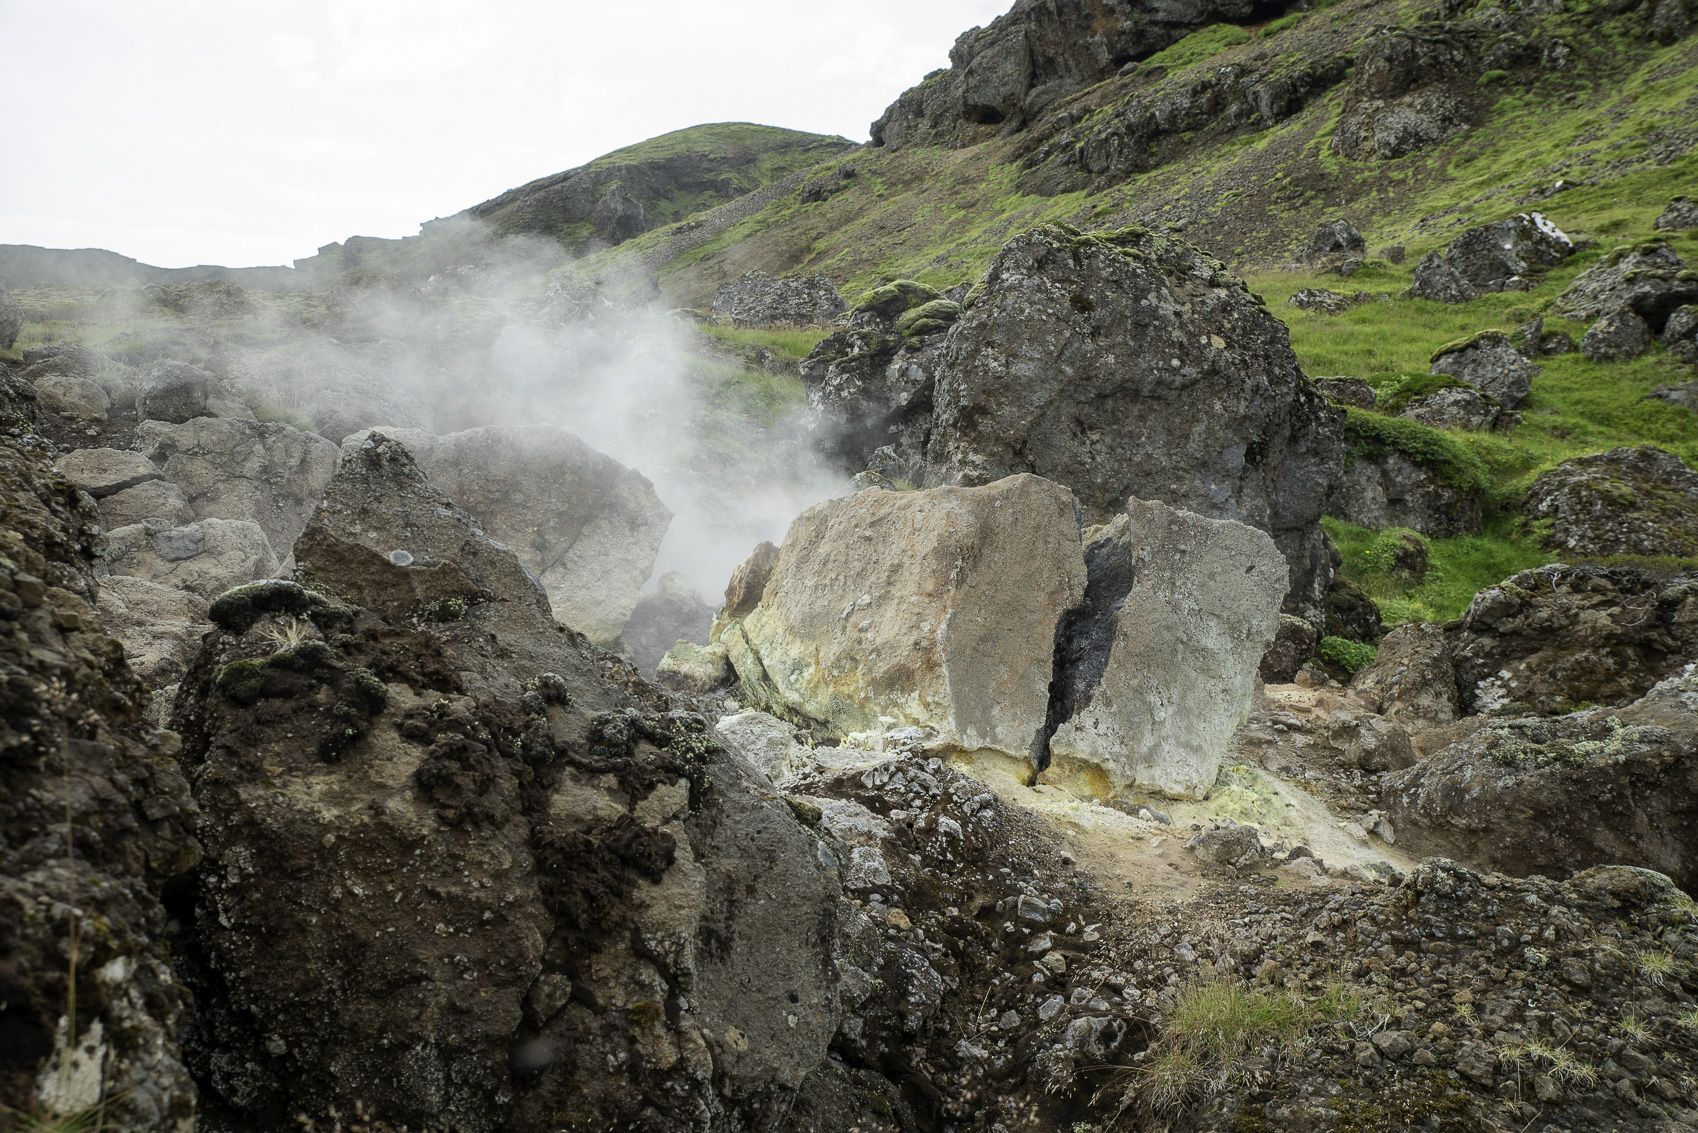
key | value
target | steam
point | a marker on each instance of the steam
(494, 340)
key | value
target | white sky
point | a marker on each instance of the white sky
(248, 132)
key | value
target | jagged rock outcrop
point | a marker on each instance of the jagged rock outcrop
(587, 526)
(76, 752)
(1155, 669)
(206, 558)
(554, 856)
(1680, 335)
(1437, 280)
(1627, 501)
(1333, 243)
(11, 319)
(1682, 212)
(1650, 279)
(759, 300)
(1489, 362)
(1126, 364)
(1529, 795)
(231, 468)
(1558, 638)
(870, 385)
(1503, 255)
(1400, 99)
(934, 609)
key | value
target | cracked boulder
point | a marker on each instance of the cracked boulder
(1618, 336)
(1628, 501)
(206, 558)
(1125, 364)
(1559, 638)
(585, 525)
(513, 875)
(1155, 669)
(1503, 255)
(1650, 279)
(934, 609)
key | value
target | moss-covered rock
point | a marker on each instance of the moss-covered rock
(1628, 501)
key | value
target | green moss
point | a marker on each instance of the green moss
(241, 681)
(1490, 77)
(1198, 47)
(1369, 436)
(1413, 388)
(1457, 568)
(896, 298)
(1351, 656)
(1459, 344)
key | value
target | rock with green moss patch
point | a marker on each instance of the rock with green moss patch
(1454, 405)
(1618, 336)
(1403, 474)
(1649, 278)
(1489, 362)
(1628, 501)
(1350, 613)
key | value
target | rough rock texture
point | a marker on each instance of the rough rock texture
(1294, 643)
(1370, 742)
(1348, 391)
(583, 523)
(759, 300)
(1126, 364)
(11, 319)
(1560, 637)
(1618, 336)
(1156, 668)
(1412, 679)
(1398, 100)
(1682, 212)
(236, 469)
(1680, 335)
(671, 614)
(1490, 363)
(1334, 242)
(160, 626)
(1499, 256)
(1550, 796)
(557, 861)
(174, 392)
(1396, 491)
(72, 736)
(1455, 407)
(697, 669)
(102, 472)
(206, 558)
(1350, 613)
(870, 385)
(77, 398)
(1628, 501)
(935, 608)
(152, 499)
(748, 581)
(1437, 280)
(1650, 279)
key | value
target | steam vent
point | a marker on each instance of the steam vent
(1156, 589)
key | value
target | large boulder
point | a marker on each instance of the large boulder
(870, 384)
(102, 472)
(1412, 679)
(1680, 335)
(160, 626)
(174, 392)
(1126, 364)
(1156, 668)
(1490, 363)
(77, 757)
(935, 609)
(1333, 243)
(77, 398)
(1498, 256)
(672, 613)
(230, 468)
(1681, 213)
(151, 499)
(1458, 406)
(512, 875)
(1627, 501)
(1618, 336)
(11, 319)
(587, 526)
(1402, 474)
(1436, 279)
(1550, 796)
(1558, 638)
(1650, 279)
(759, 300)
(206, 558)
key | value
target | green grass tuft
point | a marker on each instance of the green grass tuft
(1369, 436)
(1198, 46)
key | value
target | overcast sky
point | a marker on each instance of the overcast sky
(236, 132)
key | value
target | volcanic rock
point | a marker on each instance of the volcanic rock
(1294, 643)
(1650, 279)
(1490, 363)
(759, 300)
(1128, 364)
(1412, 680)
(206, 558)
(1619, 336)
(1398, 101)
(1334, 242)
(934, 608)
(1497, 257)
(231, 468)
(695, 669)
(77, 398)
(1348, 391)
(153, 499)
(1682, 212)
(1155, 669)
(1628, 501)
(174, 392)
(671, 614)
(1454, 407)
(1437, 280)
(102, 472)
(160, 625)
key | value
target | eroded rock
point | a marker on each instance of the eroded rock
(206, 558)
(1490, 363)
(1628, 501)
(1649, 279)
(1413, 678)
(759, 300)
(1618, 336)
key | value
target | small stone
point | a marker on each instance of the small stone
(898, 920)
(1050, 1008)
(1055, 962)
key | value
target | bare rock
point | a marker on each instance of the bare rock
(152, 499)
(1681, 213)
(160, 625)
(206, 558)
(935, 608)
(1156, 668)
(77, 398)
(1353, 392)
(1618, 336)
(1650, 279)
(1437, 280)
(1294, 643)
(1628, 501)
(759, 300)
(174, 392)
(673, 613)
(101, 472)
(1490, 363)
(1225, 844)
(236, 469)
(587, 526)
(1370, 742)
(695, 669)
(1412, 680)
(1500, 256)
(1334, 242)
(748, 581)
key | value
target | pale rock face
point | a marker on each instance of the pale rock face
(933, 608)
(231, 468)
(74, 397)
(155, 499)
(764, 740)
(588, 527)
(160, 626)
(1154, 683)
(205, 558)
(101, 472)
